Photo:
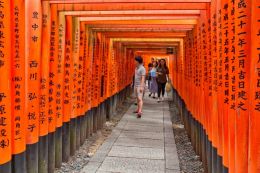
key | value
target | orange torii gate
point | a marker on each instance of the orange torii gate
(61, 59)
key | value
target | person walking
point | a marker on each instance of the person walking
(162, 78)
(154, 86)
(139, 84)
(150, 66)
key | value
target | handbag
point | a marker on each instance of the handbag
(168, 87)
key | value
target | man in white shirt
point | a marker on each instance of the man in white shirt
(139, 84)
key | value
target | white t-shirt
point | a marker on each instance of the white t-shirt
(139, 72)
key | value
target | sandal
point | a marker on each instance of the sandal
(139, 114)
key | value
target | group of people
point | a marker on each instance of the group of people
(158, 75)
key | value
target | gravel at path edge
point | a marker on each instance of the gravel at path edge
(189, 161)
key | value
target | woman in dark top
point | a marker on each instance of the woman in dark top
(162, 78)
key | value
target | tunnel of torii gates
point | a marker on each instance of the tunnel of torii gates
(66, 65)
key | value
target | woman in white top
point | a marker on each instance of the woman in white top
(153, 82)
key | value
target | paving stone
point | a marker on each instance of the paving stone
(168, 132)
(171, 157)
(171, 164)
(104, 172)
(172, 171)
(132, 142)
(98, 157)
(167, 115)
(143, 128)
(132, 165)
(167, 123)
(146, 124)
(137, 152)
(91, 167)
(169, 135)
(106, 146)
(170, 145)
(142, 135)
(146, 117)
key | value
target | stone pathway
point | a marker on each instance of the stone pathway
(143, 145)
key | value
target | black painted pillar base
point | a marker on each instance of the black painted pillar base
(113, 105)
(95, 119)
(91, 121)
(66, 141)
(77, 132)
(18, 163)
(110, 108)
(88, 124)
(104, 115)
(98, 117)
(203, 145)
(32, 158)
(225, 169)
(219, 165)
(83, 126)
(214, 160)
(210, 149)
(6, 168)
(107, 109)
(58, 147)
(43, 154)
(73, 134)
(51, 152)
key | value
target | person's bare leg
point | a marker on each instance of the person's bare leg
(140, 105)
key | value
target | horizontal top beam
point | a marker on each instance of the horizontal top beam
(148, 27)
(144, 34)
(147, 48)
(126, 1)
(146, 40)
(154, 44)
(142, 22)
(132, 12)
(161, 30)
(151, 52)
(138, 18)
(131, 6)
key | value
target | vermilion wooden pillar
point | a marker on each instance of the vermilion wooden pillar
(18, 85)
(52, 86)
(225, 79)
(254, 95)
(67, 91)
(232, 85)
(44, 89)
(214, 85)
(33, 23)
(5, 92)
(220, 86)
(243, 61)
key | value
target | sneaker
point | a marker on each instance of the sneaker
(158, 100)
(139, 115)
